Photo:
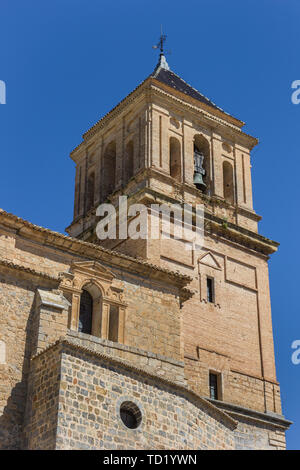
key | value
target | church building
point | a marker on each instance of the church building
(142, 343)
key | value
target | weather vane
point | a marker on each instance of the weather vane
(160, 44)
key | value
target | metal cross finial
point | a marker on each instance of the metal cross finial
(162, 39)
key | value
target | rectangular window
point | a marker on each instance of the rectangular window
(210, 289)
(213, 386)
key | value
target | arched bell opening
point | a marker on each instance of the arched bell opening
(129, 161)
(201, 164)
(109, 170)
(228, 185)
(90, 191)
(175, 159)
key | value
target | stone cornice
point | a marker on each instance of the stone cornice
(242, 236)
(68, 343)
(71, 334)
(10, 265)
(216, 117)
(213, 120)
(214, 110)
(114, 112)
(215, 225)
(88, 250)
(228, 230)
(238, 412)
(165, 177)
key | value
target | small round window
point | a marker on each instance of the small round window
(130, 414)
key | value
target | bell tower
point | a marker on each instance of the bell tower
(166, 143)
(165, 130)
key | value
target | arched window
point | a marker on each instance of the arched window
(129, 156)
(202, 164)
(85, 313)
(97, 315)
(228, 187)
(90, 310)
(175, 159)
(101, 309)
(109, 170)
(90, 191)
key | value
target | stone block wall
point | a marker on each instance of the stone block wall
(75, 400)
(258, 437)
(91, 391)
(162, 366)
(40, 423)
(18, 338)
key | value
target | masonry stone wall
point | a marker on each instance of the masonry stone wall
(152, 318)
(81, 392)
(249, 436)
(17, 332)
(35, 313)
(40, 420)
(91, 390)
(163, 366)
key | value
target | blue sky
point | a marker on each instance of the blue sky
(68, 62)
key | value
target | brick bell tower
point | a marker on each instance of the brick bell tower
(166, 143)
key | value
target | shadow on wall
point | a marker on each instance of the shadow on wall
(12, 419)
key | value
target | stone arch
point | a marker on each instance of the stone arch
(201, 145)
(175, 158)
(109, 170)
(228, 185)
(129, 161)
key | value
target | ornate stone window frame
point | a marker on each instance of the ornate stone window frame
(95, 278)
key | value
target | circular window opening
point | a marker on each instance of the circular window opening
(130, 414)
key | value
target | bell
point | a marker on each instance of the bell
(199, 170)
(198, 180)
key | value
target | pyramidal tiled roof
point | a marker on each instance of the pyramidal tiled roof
(163, 73)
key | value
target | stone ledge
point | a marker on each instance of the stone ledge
(10, 265)
(123, 347)
(90, 251)
(237, 412)
(49, 299)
